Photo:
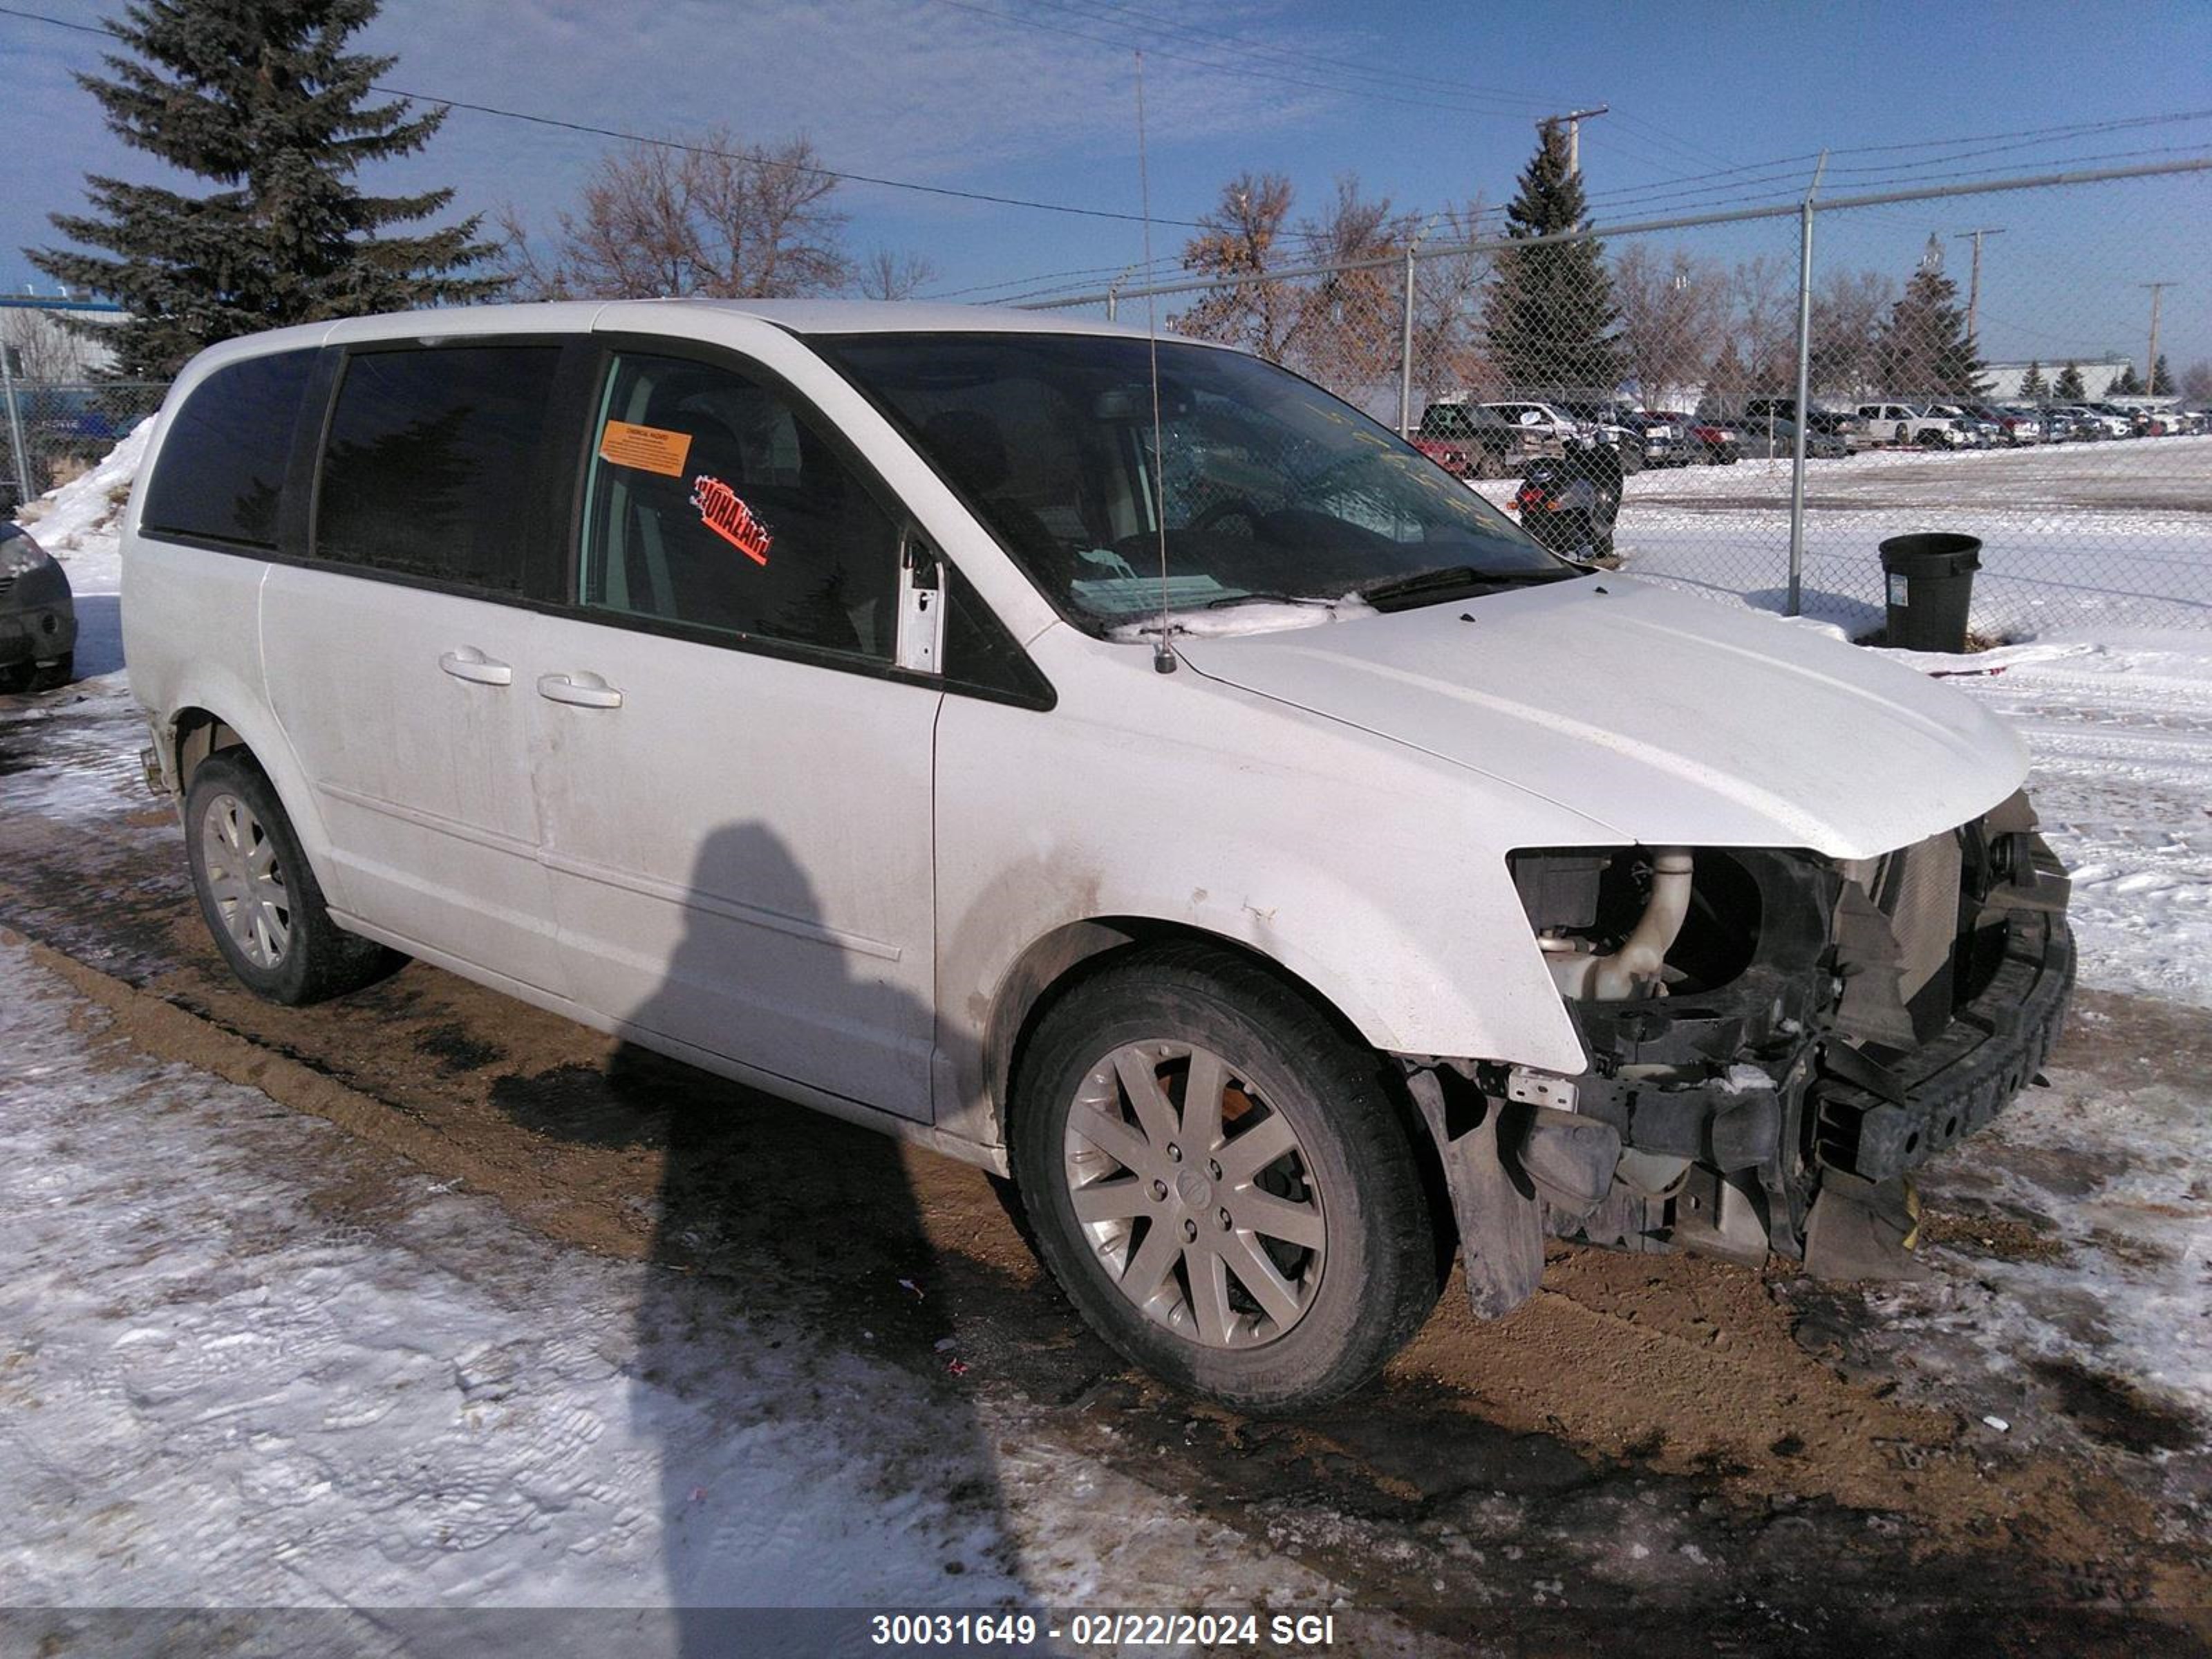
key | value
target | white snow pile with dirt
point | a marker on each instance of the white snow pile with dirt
(80, 522)
(245, 1361)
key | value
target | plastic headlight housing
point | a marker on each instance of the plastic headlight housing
(20, 555)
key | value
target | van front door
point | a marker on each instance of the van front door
(735, 784)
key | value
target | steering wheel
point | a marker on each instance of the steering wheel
(1229, 506)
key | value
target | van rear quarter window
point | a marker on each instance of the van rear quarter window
(431, 460)
(221, 473)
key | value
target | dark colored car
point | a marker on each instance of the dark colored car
(38, 616)
(1570, 504)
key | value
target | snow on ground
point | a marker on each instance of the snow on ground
(2100, 535)
(247, 1362)
(2124, 1287)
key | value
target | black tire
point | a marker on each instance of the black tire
(51, 677)
(16, 677)
(1380, 1273)
(319, 959)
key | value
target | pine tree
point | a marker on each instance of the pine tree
(2124, 384)
(2161, 378)
(2032, 384)
(258, 98)
(1924, 350)
(1549, 312)
(2070, 389)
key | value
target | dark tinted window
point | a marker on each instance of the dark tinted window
(1270, 486)
(221, 469)
(431, 461)
(714, 502)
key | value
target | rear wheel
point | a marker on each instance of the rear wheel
(259, 895)
(1223, 1184)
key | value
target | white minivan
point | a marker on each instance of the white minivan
(1166, 788)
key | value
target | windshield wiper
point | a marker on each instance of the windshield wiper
(1263, 598)
(1453, 578)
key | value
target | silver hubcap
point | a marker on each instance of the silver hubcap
(1195, 1193)
(245, 882)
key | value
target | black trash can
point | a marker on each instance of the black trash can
(1930, 579)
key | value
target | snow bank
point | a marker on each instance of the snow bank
(80, 522)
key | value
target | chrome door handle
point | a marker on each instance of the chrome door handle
(470, 664)
(585, 690)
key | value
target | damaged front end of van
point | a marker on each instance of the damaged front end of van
(1776, 1040)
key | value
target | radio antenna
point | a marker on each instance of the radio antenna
(1164, 660)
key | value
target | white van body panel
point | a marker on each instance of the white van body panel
(1699, 727)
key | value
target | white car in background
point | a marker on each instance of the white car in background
(1909, 424)
(1126, 767)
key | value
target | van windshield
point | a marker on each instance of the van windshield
(1273, 489)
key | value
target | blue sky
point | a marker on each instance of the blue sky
(1429, 104)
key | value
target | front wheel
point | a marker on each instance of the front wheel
(1225, 1186)
(259, 895)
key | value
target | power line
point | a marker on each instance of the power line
(841, 175)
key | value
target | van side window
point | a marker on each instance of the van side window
(714, 502)
(221, 473)
(431, 460)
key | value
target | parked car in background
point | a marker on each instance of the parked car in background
(1547, 422)
(38, 616)
(1466, 439)
(1913, 424)
(2108, 421)
(1769, 427)
(1611, 422)
(1715, 443)
(1980, 434)
(2020, 423)
(670, 665)
(1665, 437)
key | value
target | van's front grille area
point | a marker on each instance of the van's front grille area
(1917, 889)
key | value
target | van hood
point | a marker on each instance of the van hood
(1665, 717)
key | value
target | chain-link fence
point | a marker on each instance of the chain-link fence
(1958, 374)
(52, 433)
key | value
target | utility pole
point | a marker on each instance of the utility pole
(1574, 118)
(1974, 282)
(2150, 363)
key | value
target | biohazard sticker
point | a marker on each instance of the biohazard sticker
(648, 448)
(721, 512)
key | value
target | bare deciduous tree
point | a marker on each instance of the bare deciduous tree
(1848, 307)
(1349, 323)
(885, 274)
(1674, 308)
(1449, 355)
(1240, 239)
(710, 218)
(1764, 293)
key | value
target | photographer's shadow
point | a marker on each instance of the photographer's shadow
(793, 1366)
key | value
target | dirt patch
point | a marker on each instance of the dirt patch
(2114, 1410)
(2001, 1238)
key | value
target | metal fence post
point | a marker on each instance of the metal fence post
(15, 424)
(1792, 605)
(1405, 353)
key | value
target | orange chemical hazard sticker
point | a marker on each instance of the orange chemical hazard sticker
(650, 448)
(721, 512)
